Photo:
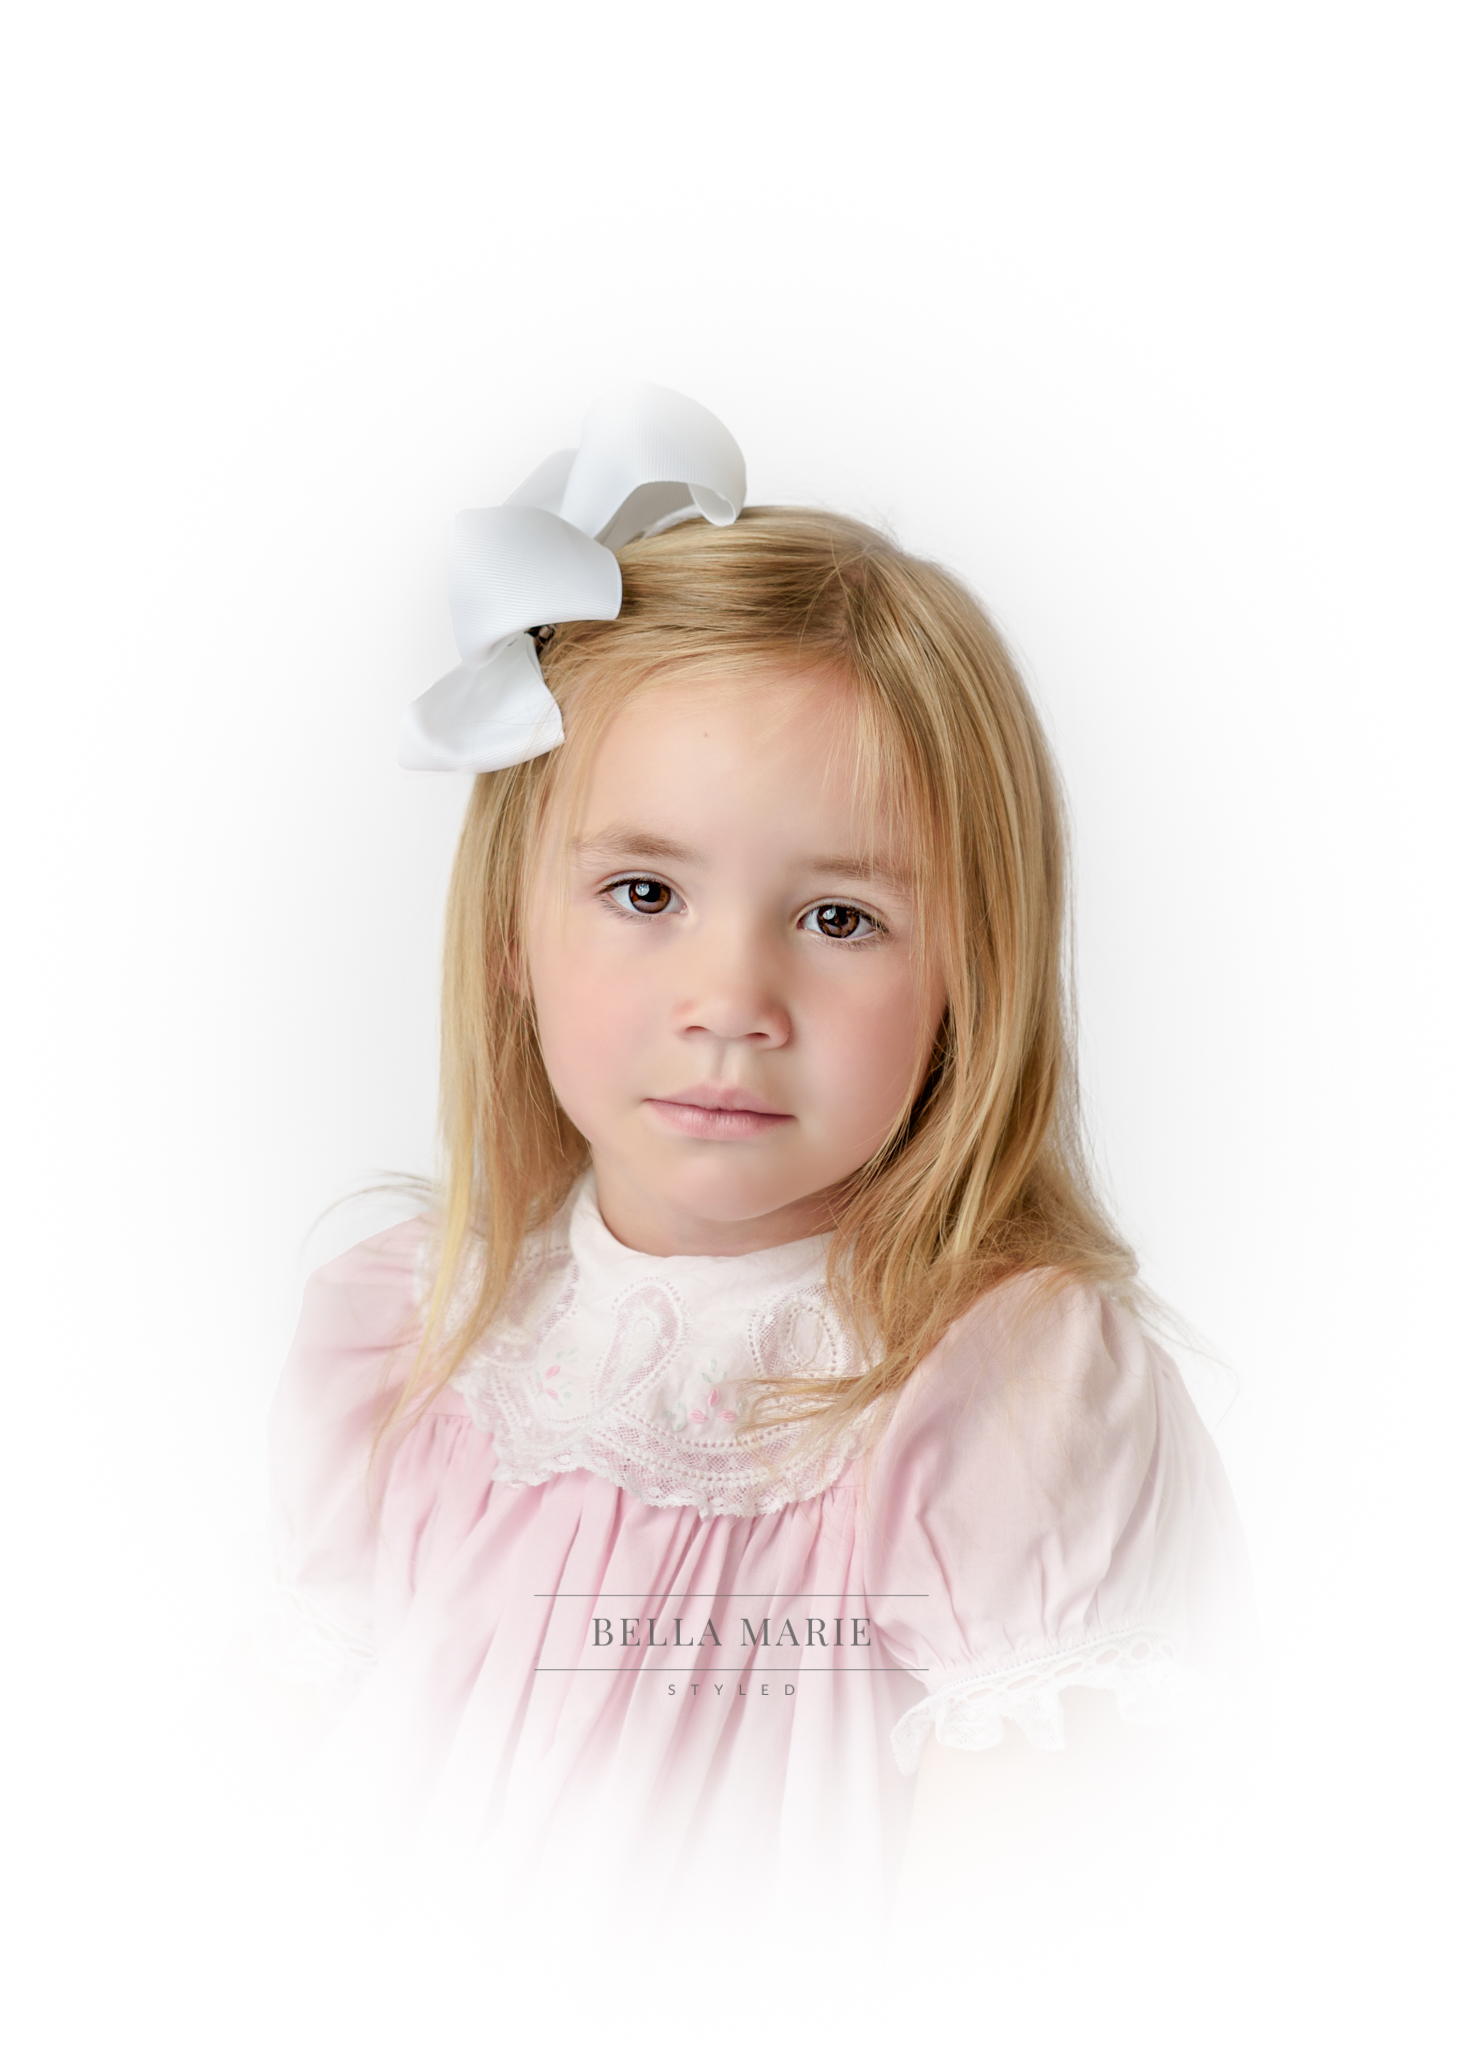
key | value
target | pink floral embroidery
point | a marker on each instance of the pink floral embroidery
(613, 1386)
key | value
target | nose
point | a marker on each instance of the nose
(731, 990)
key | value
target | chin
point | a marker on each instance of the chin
(727, 1195)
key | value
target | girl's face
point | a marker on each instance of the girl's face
(725, 981)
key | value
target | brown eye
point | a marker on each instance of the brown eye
(643, 894)
(839, 921)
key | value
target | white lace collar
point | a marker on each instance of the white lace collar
(610, 1361)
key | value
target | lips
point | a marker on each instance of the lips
(709, 1096)
(708, 1112)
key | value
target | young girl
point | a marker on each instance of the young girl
(761, 1406)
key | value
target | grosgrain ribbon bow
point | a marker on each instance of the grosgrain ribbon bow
(646, 457)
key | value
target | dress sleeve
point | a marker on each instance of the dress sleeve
(352, 1345)
(1046, 1509)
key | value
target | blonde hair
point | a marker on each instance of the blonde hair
(984, 1176)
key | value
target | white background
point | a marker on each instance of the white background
(1144, 318)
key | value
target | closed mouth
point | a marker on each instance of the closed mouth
(717, 1113)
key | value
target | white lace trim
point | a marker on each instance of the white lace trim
(634, 1368)
(1140, 1666)
(308, 1641)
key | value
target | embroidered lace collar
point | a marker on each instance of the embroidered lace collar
(611, 1361)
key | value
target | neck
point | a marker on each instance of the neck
(644, 1222)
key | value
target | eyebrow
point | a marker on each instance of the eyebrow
(850, 868)
(625, 845)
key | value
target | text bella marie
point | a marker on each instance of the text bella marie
(754, 1636)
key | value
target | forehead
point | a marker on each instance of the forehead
(776, 756)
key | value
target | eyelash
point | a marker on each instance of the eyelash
(611, 892)
(875, 929)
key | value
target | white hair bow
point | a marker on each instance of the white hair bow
(646, 458)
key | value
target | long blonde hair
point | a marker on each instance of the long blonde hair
(984, 1176)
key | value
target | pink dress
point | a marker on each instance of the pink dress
(582, 1613)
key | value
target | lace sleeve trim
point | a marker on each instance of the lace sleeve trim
(1142, 1667)
(306, 1640)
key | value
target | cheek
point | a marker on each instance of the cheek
(588, 1011)
(872, 1048)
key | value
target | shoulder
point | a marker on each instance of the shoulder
(1045, 1383)
(358, 1318)
(373, 1287)
(1043, 1336)
(1047, 1509)
(354, 1340)
(1046, 1471)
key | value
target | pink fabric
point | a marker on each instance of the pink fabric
(1045, 1490)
